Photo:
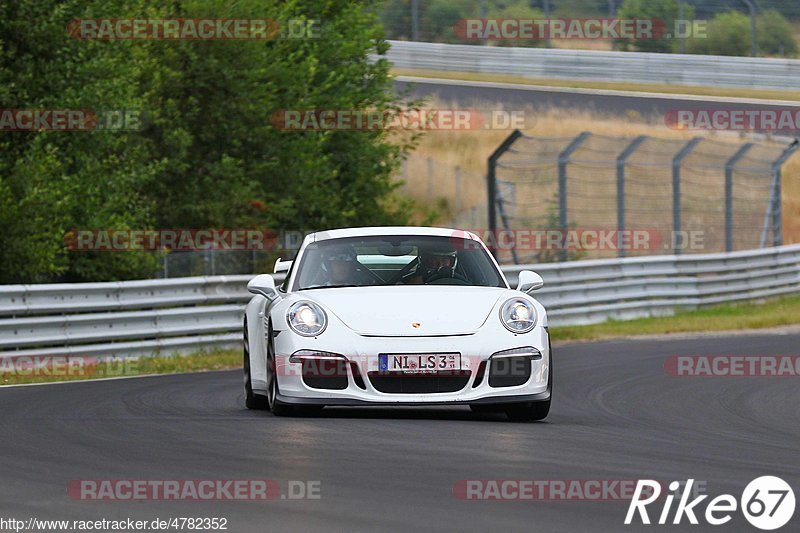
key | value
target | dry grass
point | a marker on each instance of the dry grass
(615, 85)
(430, 174)
(602, 45)
(791, 201)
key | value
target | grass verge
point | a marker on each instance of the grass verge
(773, 313)
(76, 368)
(605, 85)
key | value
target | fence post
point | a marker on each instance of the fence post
(458, 189)
(777, 211)
(491, 187)
(504, 217)
(676, 192)
(621, 160)
(563, 159)
(731, 163)
(430, 179)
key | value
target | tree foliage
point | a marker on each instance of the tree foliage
(774, 34)
(664, 13)
(727, 34)
(207, 154)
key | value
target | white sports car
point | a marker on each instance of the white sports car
(396, 316)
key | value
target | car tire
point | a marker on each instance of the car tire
(277, 407)
(528, 411)
(532, 411)
(251, 400)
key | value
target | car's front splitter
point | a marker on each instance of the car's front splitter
(291, 400)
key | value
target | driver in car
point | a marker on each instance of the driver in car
(433, 263)
(341, 264)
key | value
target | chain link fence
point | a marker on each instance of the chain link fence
(179, 264)
(583, 197)
(451, 192)
(594, 196)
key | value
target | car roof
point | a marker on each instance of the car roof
(388, 230)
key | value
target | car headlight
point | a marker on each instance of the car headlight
(307, 318)
(518, 315)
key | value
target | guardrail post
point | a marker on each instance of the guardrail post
(621, 160)
(563, 159)
(676, 192)
(731, 163)
(491, 187)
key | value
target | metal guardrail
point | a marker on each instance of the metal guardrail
(124, 318)
(184, 314)
(642, 67)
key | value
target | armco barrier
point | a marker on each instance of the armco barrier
(177, 315)
(637, 67)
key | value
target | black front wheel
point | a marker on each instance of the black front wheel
(281, 409)
(528, 411)
(277, 408)
(532, 411)
(251, 400)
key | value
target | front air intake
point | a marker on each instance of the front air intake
(401, 383)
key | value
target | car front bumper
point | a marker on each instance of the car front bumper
(363, 351)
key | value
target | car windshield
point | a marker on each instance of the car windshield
(396, 260)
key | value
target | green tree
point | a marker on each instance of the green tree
(727, 34)
(55, 181)
(774, 34)
(517, 10)
(442, 15)
(212, 123)
(208, 155)
(395, 15)
(663, 13)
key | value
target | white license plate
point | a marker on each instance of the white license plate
(419, 363)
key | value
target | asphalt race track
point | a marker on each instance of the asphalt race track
(616, 415)
(618, 103)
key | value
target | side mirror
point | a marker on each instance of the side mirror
(264, 285)
(282, 266)
(529, 281)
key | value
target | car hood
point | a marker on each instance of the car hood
(410, 311)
